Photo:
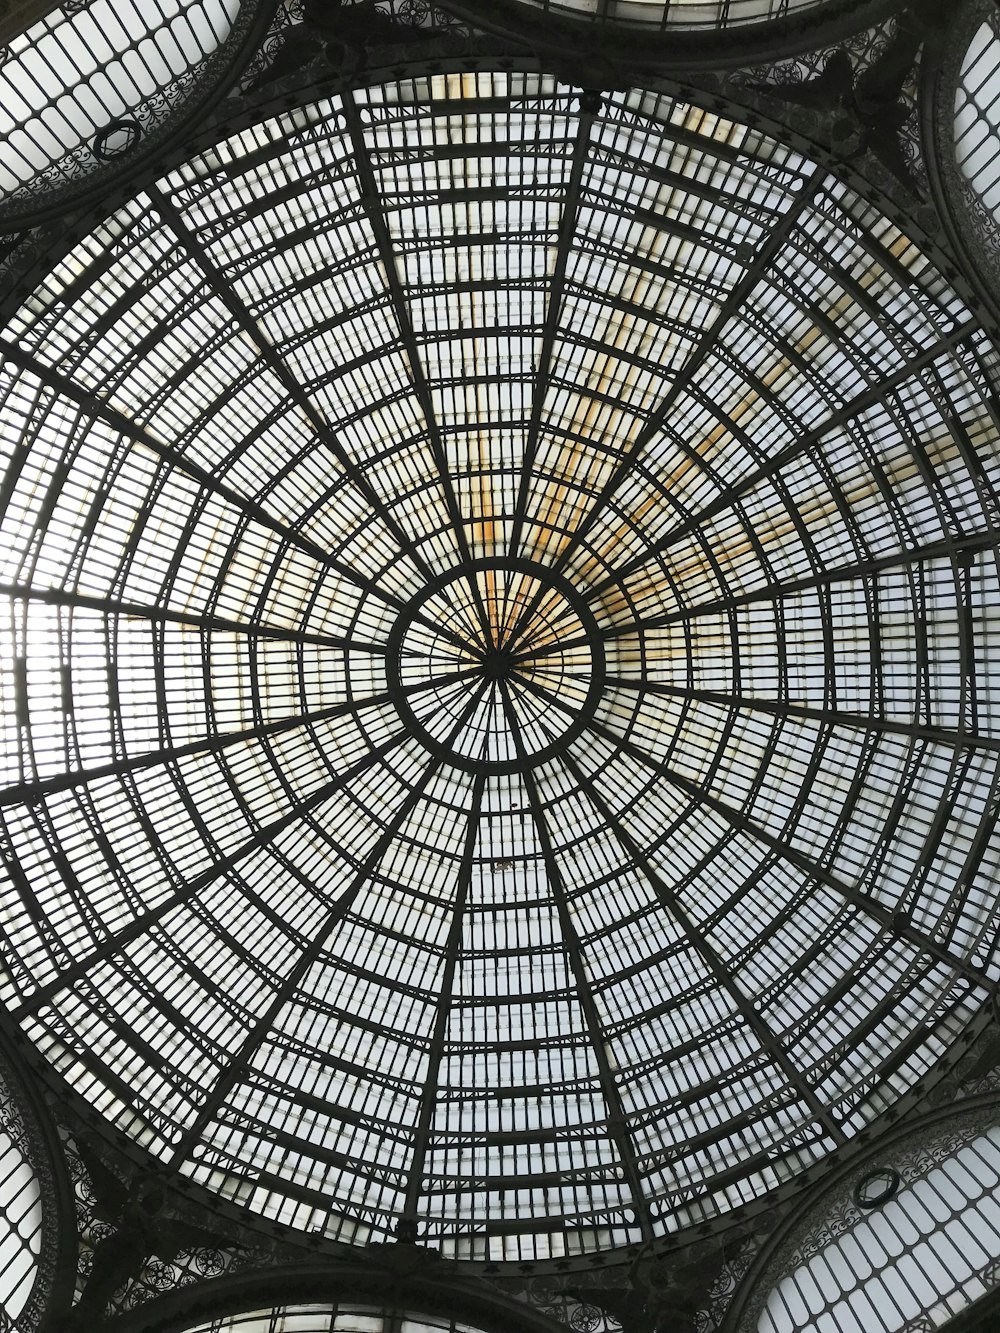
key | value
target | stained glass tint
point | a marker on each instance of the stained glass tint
(499, 671)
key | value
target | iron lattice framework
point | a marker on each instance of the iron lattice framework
(91, 89)
(498, 676)
(500, 709)
(619, 38)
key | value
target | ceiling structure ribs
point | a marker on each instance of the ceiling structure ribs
(124, 425)
(372, 196)
(890, 918)
(706, 343)
(888, 571)
(784, 708)
(141, 925)
(755, 1020)
(239, 1066)
(617, 1122)
(225, 292)
(73, 599)
(589, 109)
(409, 1224)
(966, 547)
(26, 793)
(886, 916)
(797, 448)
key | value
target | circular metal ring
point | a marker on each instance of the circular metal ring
(116, 139)
(877, 1187)
(499, 665)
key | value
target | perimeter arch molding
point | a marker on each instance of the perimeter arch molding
(905, 1237)
(386, 1281)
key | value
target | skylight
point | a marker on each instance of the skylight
(500, 666)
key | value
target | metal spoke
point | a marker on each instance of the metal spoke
(26, 793)
(410, 1217)
(783, 708)
(240, 1063)
(421, 388)
(162, 615)
(616, 1119)
(753, 274)
(142, 924)
(552, 329)
(225, 292)
(124, 425)
(958, 548)
(800, 860)
(796, 449)
(761, 1029)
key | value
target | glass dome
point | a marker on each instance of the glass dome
(960, 79)
(499, 666)
(977, 121)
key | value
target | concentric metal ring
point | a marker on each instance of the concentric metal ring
(522, 642)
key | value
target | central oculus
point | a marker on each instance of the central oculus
(497, 665)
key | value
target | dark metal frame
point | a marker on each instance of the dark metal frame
(575, 725)
(969, 1116)
(601, 43)
(393, 1276)
(53, 1286)
(209, 84)
(969, 229)
(959, 547)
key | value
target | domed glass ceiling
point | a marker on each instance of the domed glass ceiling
(85, 81)
(977, 119)
(500, 666)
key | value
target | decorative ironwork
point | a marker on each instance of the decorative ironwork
(961, 193)
(30, 1205)
(117, 138)
(424, 14)
(508, 607)
(864, 92)
(132, 1245)
(937, 1157)
(59, 152)
(877, 1187)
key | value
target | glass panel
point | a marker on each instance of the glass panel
(933, 1248)
(977, 115)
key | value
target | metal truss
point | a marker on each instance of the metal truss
(499, 666)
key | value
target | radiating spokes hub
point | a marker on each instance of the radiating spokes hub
(520, 641)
